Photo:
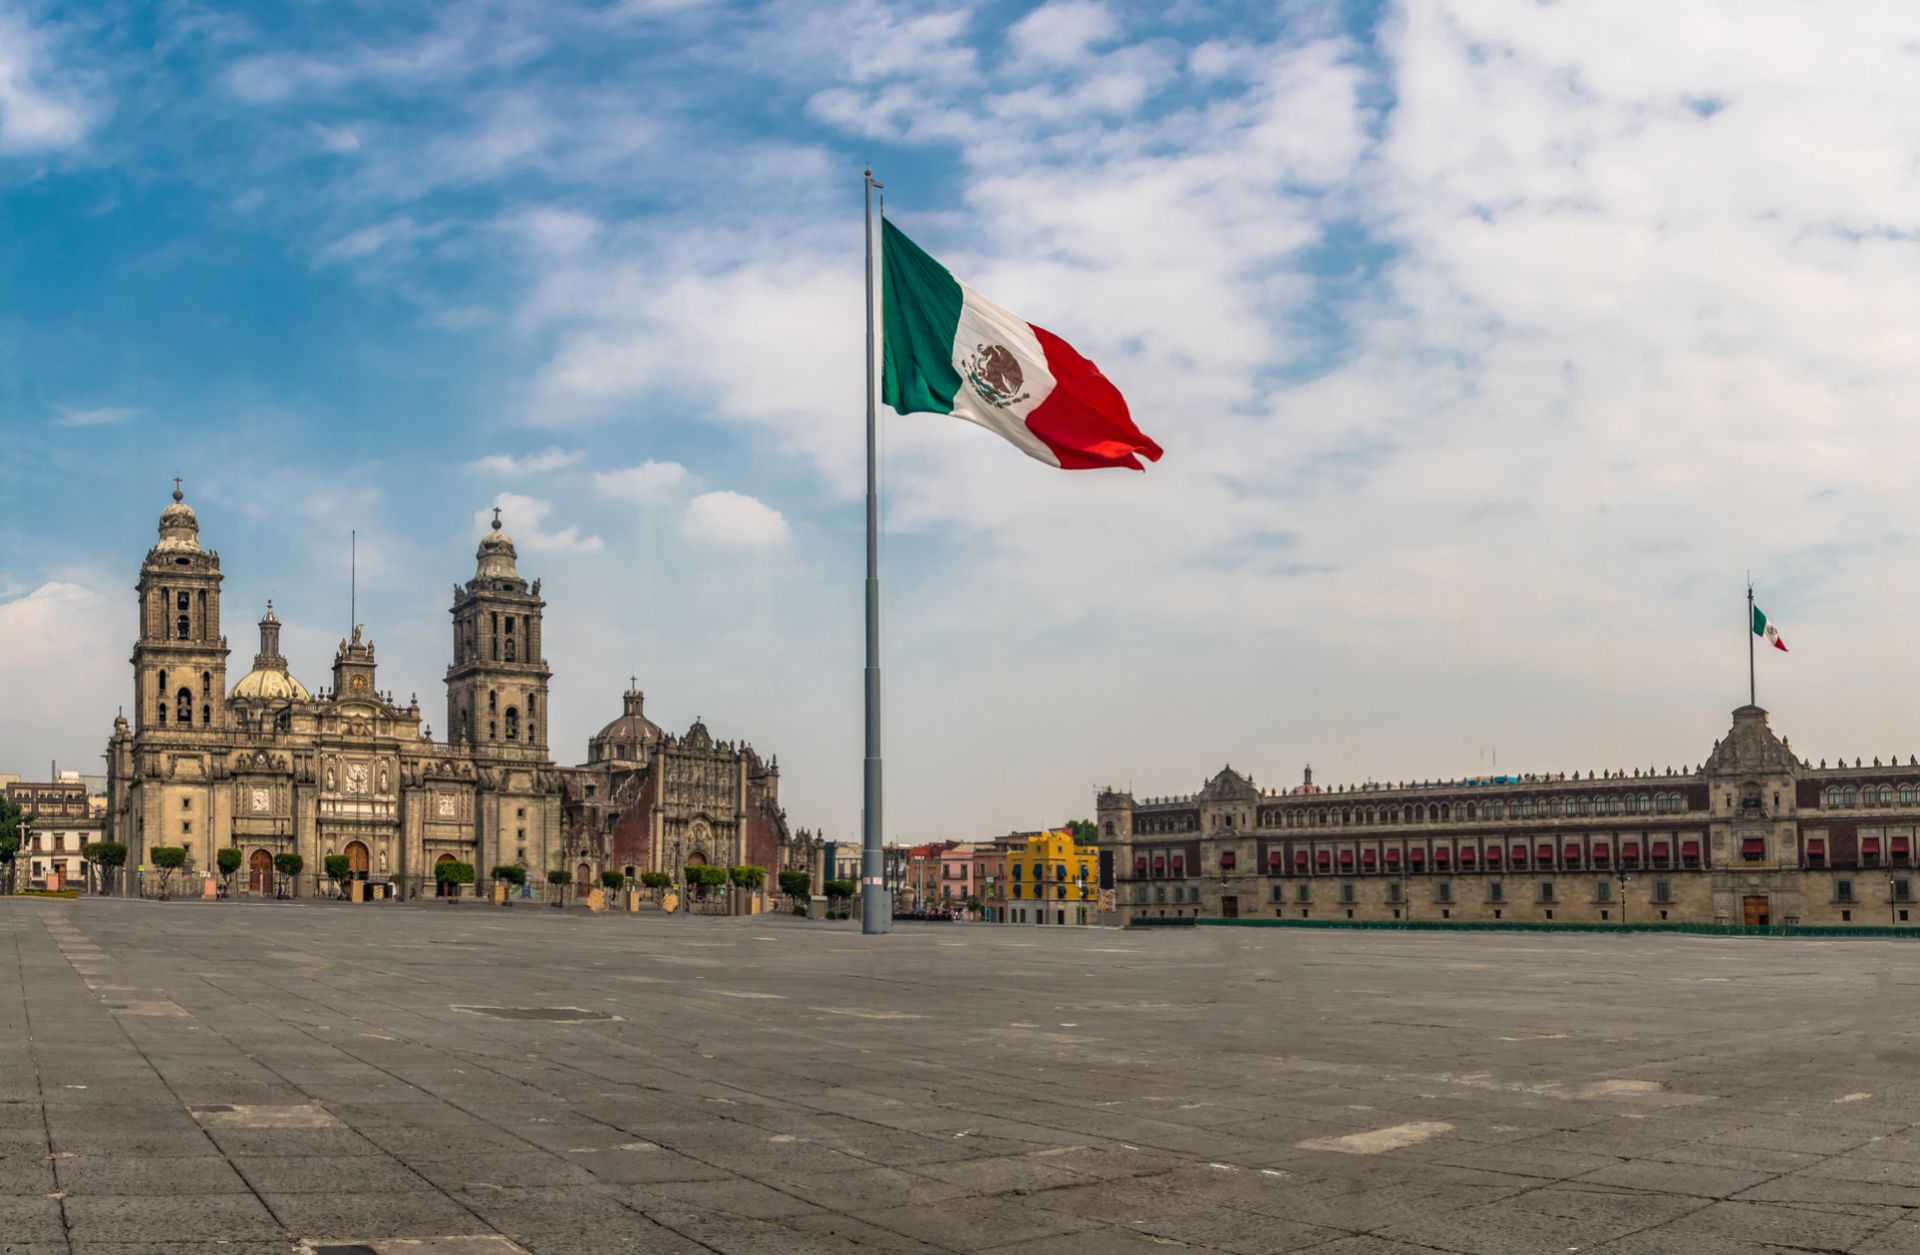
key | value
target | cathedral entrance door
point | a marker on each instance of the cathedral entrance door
(441, 889)
(583, 876)
(356, 853)
(260, 873)
(1755, 911)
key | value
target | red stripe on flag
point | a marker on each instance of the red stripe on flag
(1085, 420)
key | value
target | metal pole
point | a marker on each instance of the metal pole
(876, 910)
(1752, 697)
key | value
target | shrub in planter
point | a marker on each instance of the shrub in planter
(559, 878)
(338, 865)
(839, 889)
(290, 865)
(747, 877)
(169, 859)
(655, 881)
(228, 861)
(109, 857)
(613, 880)
(706, 876)
(511, 875)
(796, 884)
(454, 874)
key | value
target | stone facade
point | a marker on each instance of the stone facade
(1754, 835)
(269, 767)
(647, 801)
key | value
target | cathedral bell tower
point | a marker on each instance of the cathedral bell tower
(497, 685)
(180, 659)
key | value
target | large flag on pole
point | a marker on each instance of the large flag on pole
(1767, 631)
(949, 350)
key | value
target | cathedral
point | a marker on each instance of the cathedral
(270, 767)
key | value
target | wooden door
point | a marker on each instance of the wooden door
(1756, 912)
(356, 860)
(1230, 907)
(260, 872)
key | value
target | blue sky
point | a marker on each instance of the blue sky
(1486, 359)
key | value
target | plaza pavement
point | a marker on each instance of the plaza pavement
(248, 1077)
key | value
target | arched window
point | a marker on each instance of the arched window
(1446, 810)
(493, 701)
(493, 730)
(1109, 827)
(1473, 810)
(531, 699)
(206, 716)
(513, 724)
(206, 683)
(1852, 798)
(180, 628)
(183, 707)
(163, 712)
(1906, 794)
(510, 652)
(182, 602)
(1886, 795)
(1833, 797)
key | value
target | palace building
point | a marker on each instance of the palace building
(1754, 835)
(268, 766)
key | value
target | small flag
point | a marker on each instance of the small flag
(949, 350)
(1766, 631)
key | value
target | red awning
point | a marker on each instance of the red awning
(1690, 849)
(1179, 860)
(1545, 853)
(1140, 864)
(1629, 849)
(1573, 853)
(1367, 856)
(1660, 849)
(1393, 856)
(1346, 858)
(1817, 847)
(1159, 861)
(1601, 854)
(1416, 856)
(1519, 853)
(1753, 845)
(1493, 854)
(1300, 858)
(1467, 855)
(1901, 845)
(1226, 858)
(1323, 857)
(1442, 854)
(1869, 845)
(1274, 858)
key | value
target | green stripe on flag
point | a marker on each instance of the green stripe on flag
(921, 311)
(1759, 622)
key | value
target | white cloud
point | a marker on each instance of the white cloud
(554, 459)
(34, 115)
(336, 139)
(64, 667)
(104, 416)
(1064, 30)
(525, 519)
(733, 518)
(645, 484)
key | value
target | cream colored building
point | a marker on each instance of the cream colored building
(269, 766)
(1754, 835)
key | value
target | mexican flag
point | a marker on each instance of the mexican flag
(1766, 631)
(949, 350)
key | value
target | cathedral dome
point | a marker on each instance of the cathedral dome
(179, 529)
(628, 737)
(496, 553)
(270, 680)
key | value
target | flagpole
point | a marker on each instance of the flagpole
(876, 911)
(1752, 696)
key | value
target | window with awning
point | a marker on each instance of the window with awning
(1816, 850)
(1226, 860)
(1690, 852)
(1572, 853)
(1629, 852)
(1870, 849)
(1393, 857)
(1274, 858)
(1159, 864)
(1416, 855)
(1544, 853)
(1346, 858)
(1367, 859)
(1468, 856)
(1902, 849)
(1299, 858)
(1324, 858)
(1140, 865)
(1753, 848)
(1602, 855)
(1661, 853)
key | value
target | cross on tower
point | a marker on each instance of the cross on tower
(177, 494)
(496, 518)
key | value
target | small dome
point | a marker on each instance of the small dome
(495, 556)
(179, 529)
(628, 737)
(270, 684)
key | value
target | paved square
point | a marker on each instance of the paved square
(275, 1077)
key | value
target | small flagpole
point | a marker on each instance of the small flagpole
(876, 911)
(1752, 697)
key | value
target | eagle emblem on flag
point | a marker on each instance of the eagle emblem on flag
(995, 374)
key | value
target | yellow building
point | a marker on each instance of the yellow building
(1051, 880)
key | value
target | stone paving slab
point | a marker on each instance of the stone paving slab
(286, 1077)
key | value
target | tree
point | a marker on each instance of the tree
(455, 874)
(1085, 831)
(838, 888)
(558, 879)
(169, 859)
(228, 861)
(338, 865)
(290, 865)
(796, 884)
(613, 880)
(108, 856)
(707, 876)
(655, 881)
(14, 823)
(747, 877)
(510, 874)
